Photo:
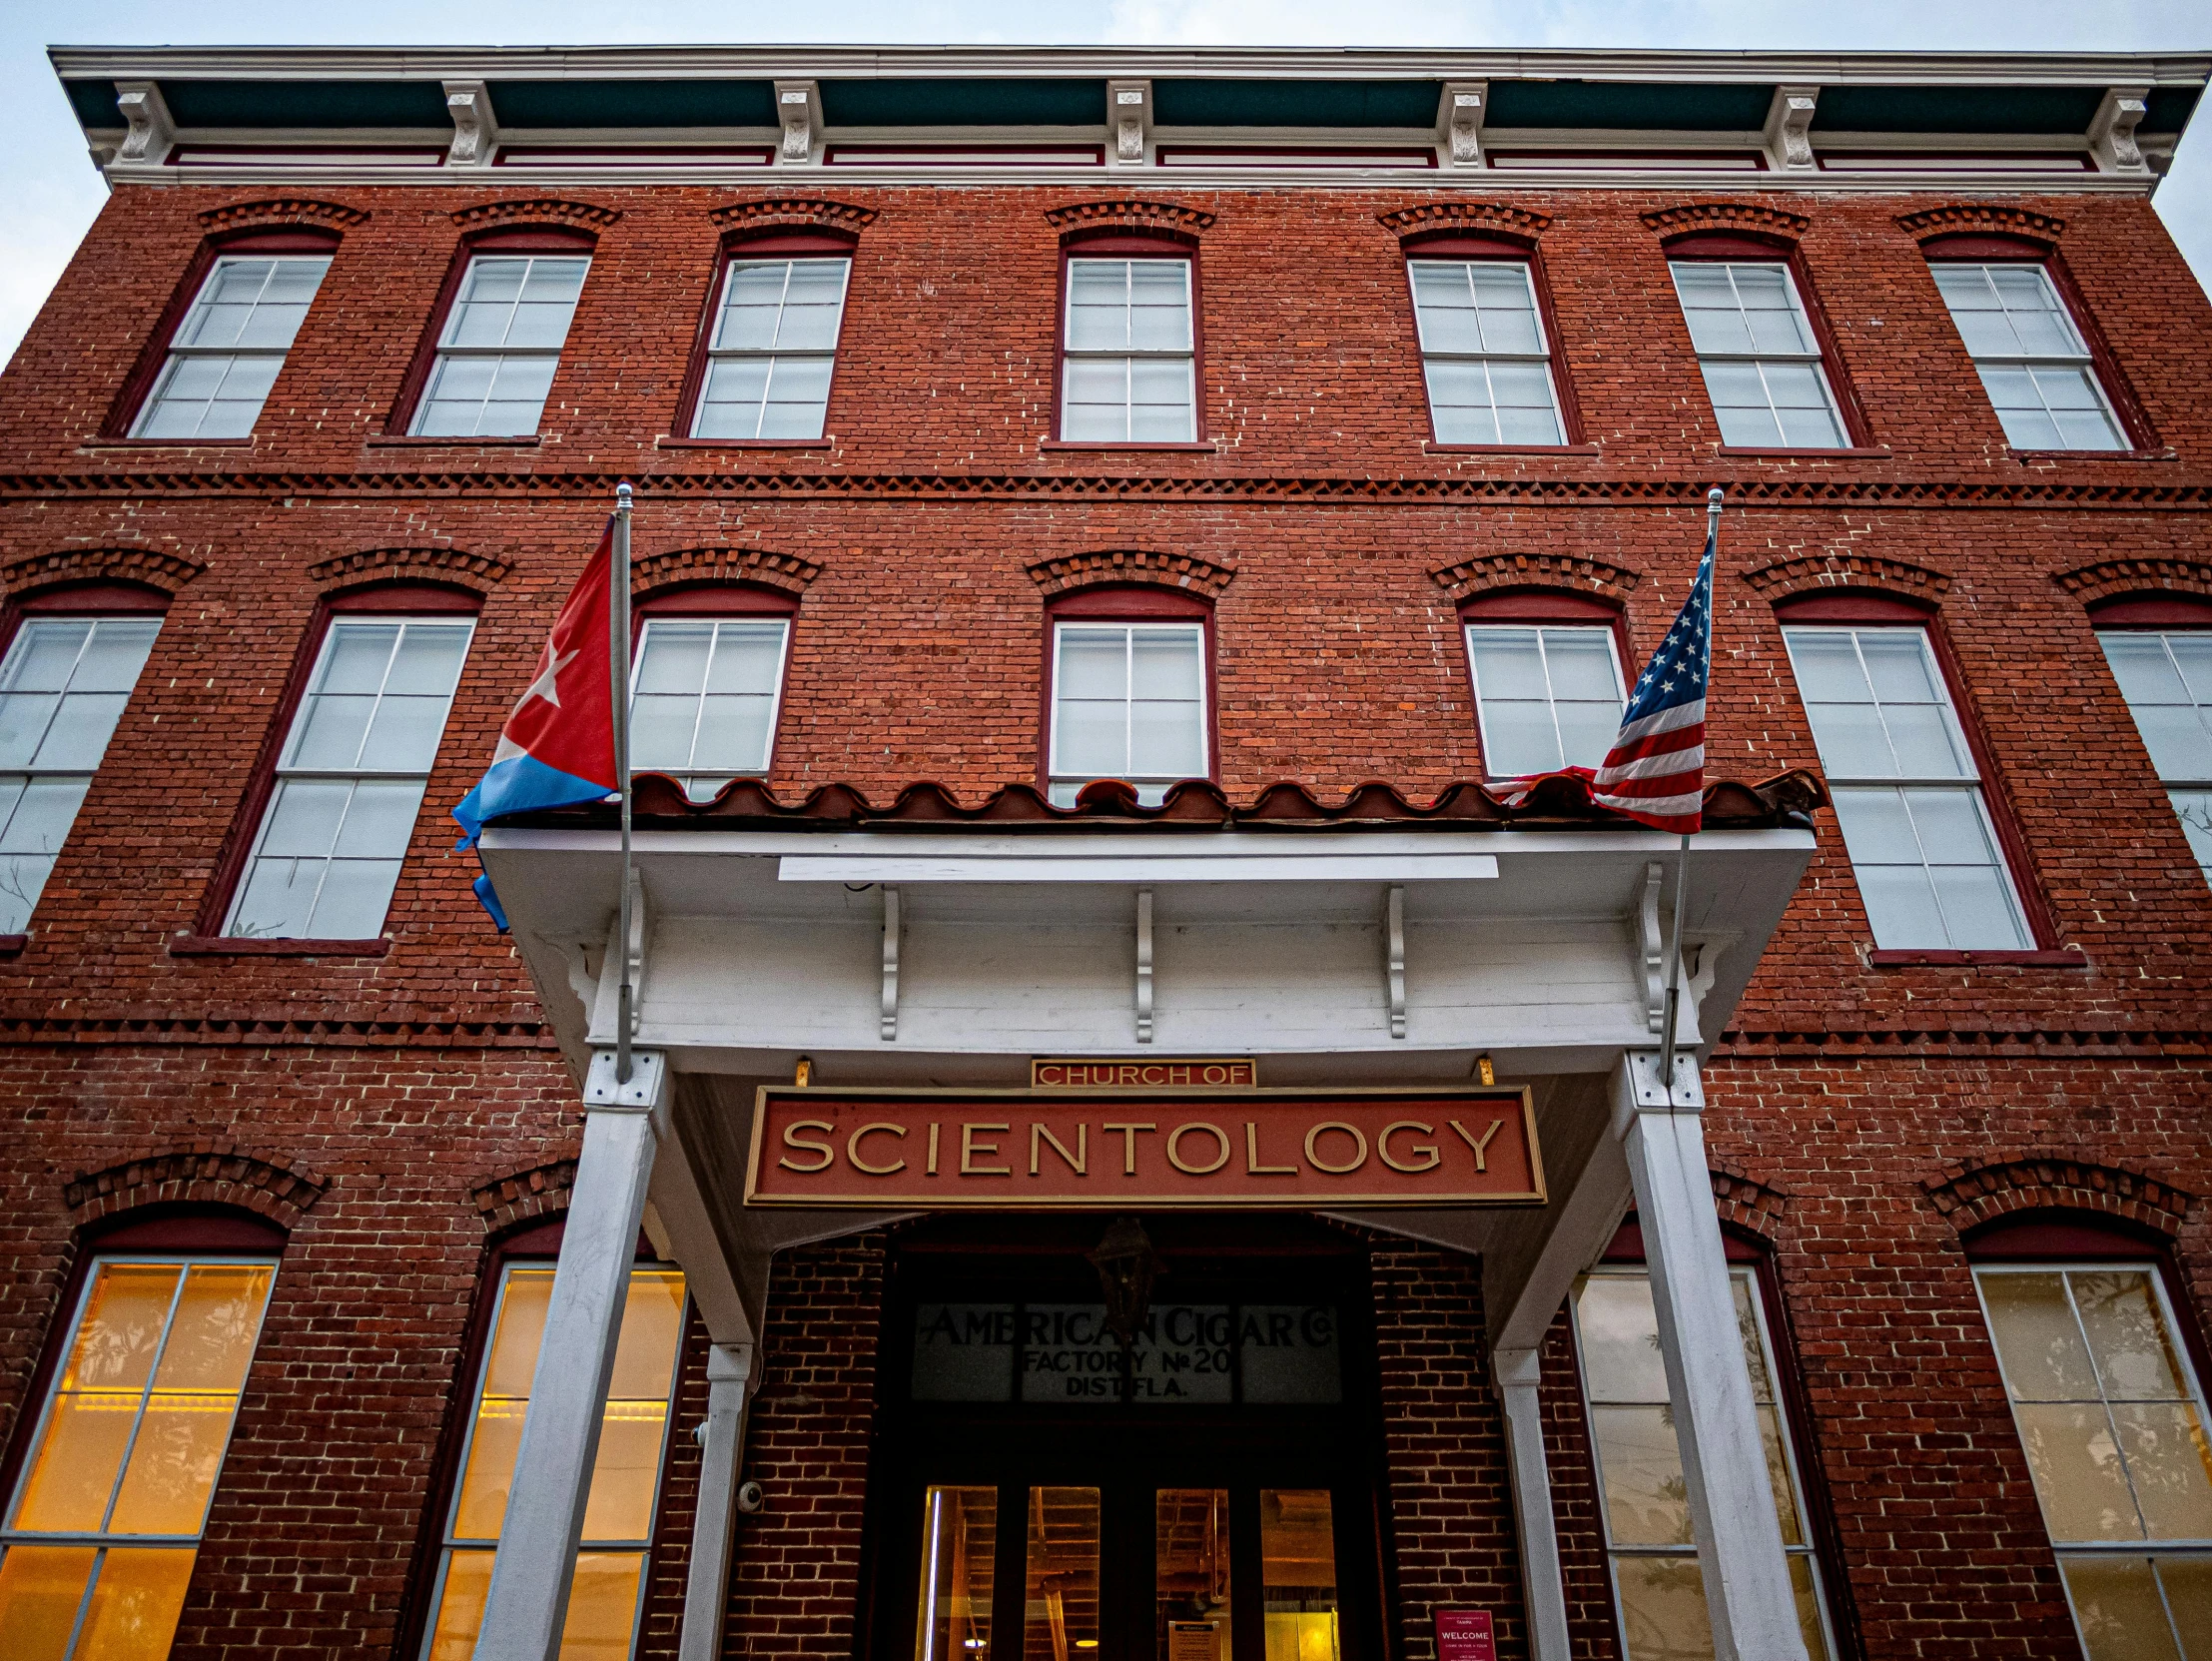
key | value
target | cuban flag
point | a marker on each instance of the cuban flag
(557, 748)
(1654, 772)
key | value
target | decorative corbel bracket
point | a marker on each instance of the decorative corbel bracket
(1143, 966)
(1459, 119)
(890, 963)
(1652, 948)
(2112, 130)
(1393, 931)
(799, 108)
(1130, 114)
(1789, 134)
(152, 133)
(475, 130)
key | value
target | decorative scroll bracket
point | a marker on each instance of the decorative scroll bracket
(151, 133)
(475, 130)
(2112, 130)
(799, 107)
(890, 963)
(1394, 928)
(1131, 115)
(1652, 948)
(1788, 132)
(1459, 120)
(1143, 966)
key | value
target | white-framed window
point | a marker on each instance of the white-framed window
(1546, 695)
(2167, 681)
(606, 1597)
(1657, 1587)
(704, 698)
(105, 1521)
(2031, 359)
(2112, 1419)
(1128, 702)
(772, 349)
(1907, 794)
(1483, 353)
(63, 685)
(350, 780)
(1760, 358)
(501, 346)
(226, 354)
(1128, 369)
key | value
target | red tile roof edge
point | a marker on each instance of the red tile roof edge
(1788, 800)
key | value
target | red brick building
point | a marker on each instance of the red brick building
(1300, 440)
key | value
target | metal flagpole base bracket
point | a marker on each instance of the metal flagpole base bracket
(641, 1094)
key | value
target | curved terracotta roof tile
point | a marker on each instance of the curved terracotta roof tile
(1787, 799)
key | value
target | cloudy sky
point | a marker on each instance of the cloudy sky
(54, 192)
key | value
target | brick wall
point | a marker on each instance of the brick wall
(405, 1084)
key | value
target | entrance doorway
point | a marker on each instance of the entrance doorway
(1206, 1491)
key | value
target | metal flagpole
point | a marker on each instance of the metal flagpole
(619, 649)
(1713, 499)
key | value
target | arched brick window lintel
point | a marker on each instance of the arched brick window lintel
(542, 1193)
(151, 568)
(1748, 1204)
(1813, 574)
(1970, 1197)
(658, 575)
(1770, 225)
(1167, 219)
(283, 213)
(536, 211)
(2113, 581)
(1514, 572)
(1433, 220)
(793, 213)
(1131, 567)
(1983, 219)
(445, 568)
(213, 1174)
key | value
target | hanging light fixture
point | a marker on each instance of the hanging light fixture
(1126, 1266)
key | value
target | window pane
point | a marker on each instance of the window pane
(2119, 1609)
(2075, 1458)
(1509, 662)
(41, 1590)
(1662, 1613)
(1166, 741)
(1192, 1574)
(2037, 1338)
(1617, 1328)
(1094, 662)
(1163, 663)
(2187, 1582)
(460, 1607)
(1061, 1599)
(603, 1606)
(2170, 1465)
(626, 1478)
(958, 1537)
(1645, 1501)
(134, 1607)
(497, 1432)
(1297, 1553)
(1091, 739)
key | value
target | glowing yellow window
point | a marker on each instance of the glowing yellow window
(103, 1528)
(604, 1598)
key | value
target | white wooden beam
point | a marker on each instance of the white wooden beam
(1723, 1463)
(721, 1462)
(527, 1606)
(1517, 1374)
(1143, 966)
(1138, 868)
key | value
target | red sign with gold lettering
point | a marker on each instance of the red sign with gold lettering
(1290, 1149)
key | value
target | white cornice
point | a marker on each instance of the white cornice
(865, 62)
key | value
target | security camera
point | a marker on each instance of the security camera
(750, 1497)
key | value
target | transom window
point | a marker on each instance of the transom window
(106, 1520)
(2167, 681)
(772, 350)
(2112, 1420)
(1760, 358)
(1129, 369)
(703, 706)
(606, 1597)
(501, 346)
(226, 354)
(350, 780)
(63, 686)
(1547, 698)
(1657, 1583)
(1483, 353)
(2031, 359)
(1906, 791)
(1128, 702)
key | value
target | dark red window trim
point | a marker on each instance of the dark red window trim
(1127, 603)
(1132, 245)
(539, 1241)
(1506, 249)
(146, 367)
(2153, 611)
(1848, 607)
(87, 597)
(1744, 1247)
(181, 1226)
(767, 242)
(1751, 244)
(2003, 248)
(406, 597)
(522, 239)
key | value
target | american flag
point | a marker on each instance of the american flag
(1654, 772)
